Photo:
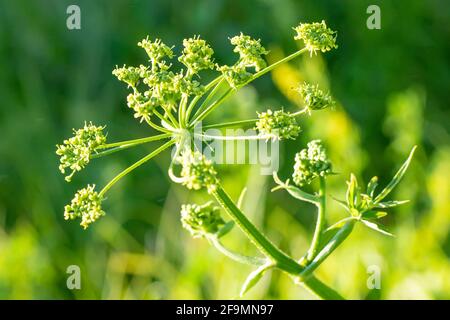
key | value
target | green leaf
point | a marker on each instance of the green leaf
(254, 277)
(371, 186)
(352, 192)
(397, 177)
(225, 229)
(331, 231)
(374, 214)
(390, 204)
(376, 227)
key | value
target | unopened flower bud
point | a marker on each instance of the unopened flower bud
(311, 163)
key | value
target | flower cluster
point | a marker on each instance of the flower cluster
(85, 205)
(156, 51)
(197, 55)
(311, 163)
(250, 51)
(163, 87)
(277, 125)
(201, 220)
(251, 54)
(76, 151)
(316, 36)
(314, 98)
(197, 171)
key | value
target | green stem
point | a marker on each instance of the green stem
(234, 255)
(135, 165)
(320, 224)
(156, 127)
(208, 98)
(276, 64)
(119, 146)
(320, 289)
(182, 110)
(282, 260)
(197, 98)
(211, 107)
(232, 138)
(171, 118)
(231, 124)
(338, 238)
(135, 141)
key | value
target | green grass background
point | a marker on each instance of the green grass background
(392, 87)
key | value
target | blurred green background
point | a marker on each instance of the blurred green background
(392, 86)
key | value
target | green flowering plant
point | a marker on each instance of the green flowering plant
(175, 102)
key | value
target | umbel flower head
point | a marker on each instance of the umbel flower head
(311, 163)
(277, 125)
(75, 152)
(130, 75)
(85, 205)
(143, 105)
(250, 51)
(201, 220)
(197, 55)
(251, 54)
(316, 36)
(314, 98)
(156, 51)
(197, 171)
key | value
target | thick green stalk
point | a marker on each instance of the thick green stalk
(282, 260)
(320, 289)
(135, 165)
(320, 224)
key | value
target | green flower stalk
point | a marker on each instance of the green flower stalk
(277, 125)
(201, 221)
(75, 152)
(311, 163)
(85, 205)
(316, 36)
(314, 98)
